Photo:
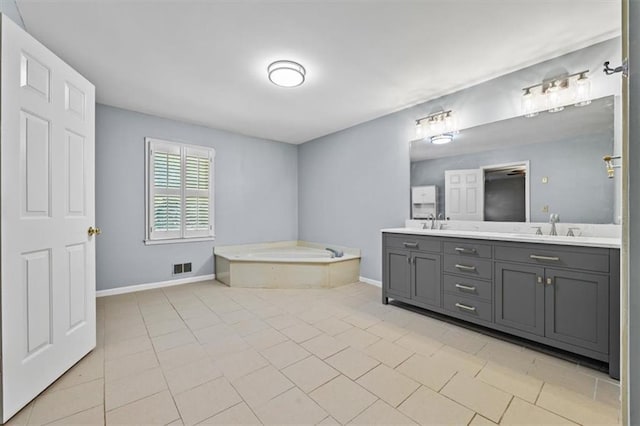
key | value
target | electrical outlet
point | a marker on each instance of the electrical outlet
(545, 209)
(177, 268)
(186, 267)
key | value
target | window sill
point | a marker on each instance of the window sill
(178, 241)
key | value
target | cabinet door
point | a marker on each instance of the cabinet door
(426, 279)
(577, 309)
(519, 297)
(398, 272)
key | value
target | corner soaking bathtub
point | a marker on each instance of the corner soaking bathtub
(285, 264)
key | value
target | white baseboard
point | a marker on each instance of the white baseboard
(372, 282)
(149, 286)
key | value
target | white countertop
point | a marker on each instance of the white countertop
(605, 242)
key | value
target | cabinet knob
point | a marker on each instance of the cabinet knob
(539, 280)
(549, 281)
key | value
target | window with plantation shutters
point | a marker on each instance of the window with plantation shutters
(179, 191)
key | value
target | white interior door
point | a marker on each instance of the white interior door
(464, 194)
(47, 192)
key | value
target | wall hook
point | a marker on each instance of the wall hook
(624, 68)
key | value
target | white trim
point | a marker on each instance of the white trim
(149, 286)
(178, 240)
(370, 281)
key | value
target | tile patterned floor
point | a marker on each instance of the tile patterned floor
(207, 354)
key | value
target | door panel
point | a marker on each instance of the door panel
(47, 181)
(398, 272)
(577, 309)
(464, 192)
(519, 297)
(427, 285)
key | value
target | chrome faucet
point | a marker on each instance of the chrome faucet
(441, 219)
(553, 219)
(433, 221)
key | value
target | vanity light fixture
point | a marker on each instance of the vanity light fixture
(438, 127)
(556, 93)
(285, 73)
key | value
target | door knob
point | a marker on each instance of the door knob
(94, 231)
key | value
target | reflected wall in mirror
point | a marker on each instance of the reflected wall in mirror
(524, 169)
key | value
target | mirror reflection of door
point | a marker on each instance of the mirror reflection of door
(505, 194)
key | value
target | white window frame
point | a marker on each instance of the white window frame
(182, 236)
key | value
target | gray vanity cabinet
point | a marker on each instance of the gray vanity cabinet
(577, 308)
(519, 297)
(566, 297)
(426, 282)
(398, 272)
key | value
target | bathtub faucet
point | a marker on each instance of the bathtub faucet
(335, 253)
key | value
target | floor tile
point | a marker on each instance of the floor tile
(352, 363)
(88, 369)
(165, 326)
(357, 338)
(225, 346)
(250, 326)
(608, 392)
(158, 409)
(282, 321)
(466, 341)
(558, 373)
(430, 373)
(427, 407)
(381, 413)
(490, 402)
(128, 389)
(264, 339)
(202, 321)
(459, 360)
(21, 418)
(577, 407)
(284, 354)
(51, 406)
(239, 414)
(507, 355)
(387, 331)
(181, 355)
(173, 340)
(388, 384)
(127, 347)
(323, 346)
(190, 375)
(260, 386)
(478, 420)
(362, 321)
(333, 326)
(310, 373)
(388, 353)
(301, 332)
(513, 382)
(419, 344)
(91, 417)
(237, 365)
(522, 413)
(207, 400)
(129, 365)
(214, 333)
(342, 398)
(292, 407)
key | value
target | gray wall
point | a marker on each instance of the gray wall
(10, 8)
(355, 182)
(577, 190)
(255, 196)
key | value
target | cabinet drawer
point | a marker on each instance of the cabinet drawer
(467, 287)
(468, 249)
(413, 242)
(465, 265)
(468, 307)
(548, 256)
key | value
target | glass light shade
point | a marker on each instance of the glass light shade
(437, 125)
(442, 139)
(450, 123)
(419, 131)
(554, 98)
(583, 91)
(529, 104)
(286, 73)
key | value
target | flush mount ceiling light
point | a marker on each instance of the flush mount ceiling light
(442, 139)
(554, 94)
(286, 73)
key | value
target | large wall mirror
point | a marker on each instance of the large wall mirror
(521, 169)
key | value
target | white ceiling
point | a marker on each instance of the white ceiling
(205, 61)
